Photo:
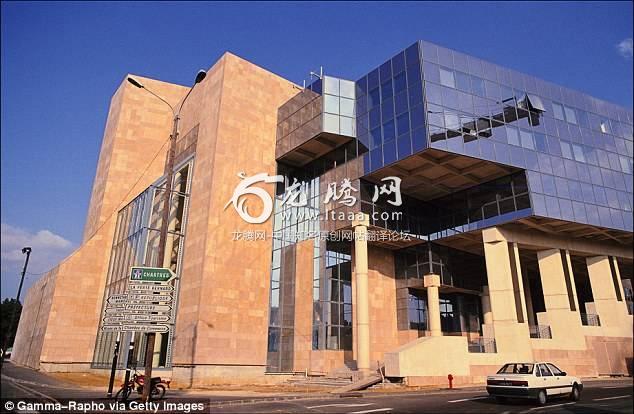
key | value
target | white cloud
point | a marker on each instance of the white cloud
(625, 48)
(48, 250)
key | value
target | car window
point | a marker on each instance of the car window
(516, 369)
(544, 371)
(554, 369)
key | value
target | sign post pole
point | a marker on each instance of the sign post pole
(115, 359)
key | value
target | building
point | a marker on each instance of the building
(440, 215)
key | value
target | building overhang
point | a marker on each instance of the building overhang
(434, 173)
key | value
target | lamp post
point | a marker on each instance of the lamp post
(27, 251)
(169, 173)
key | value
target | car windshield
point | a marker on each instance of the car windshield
(516, 369)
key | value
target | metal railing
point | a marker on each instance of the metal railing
(590, 319)
(540, 331)
(482, 345)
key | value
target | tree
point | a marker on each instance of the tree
(9, 308)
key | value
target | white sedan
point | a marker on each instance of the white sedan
(539, 380)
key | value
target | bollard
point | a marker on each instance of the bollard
(450, 378)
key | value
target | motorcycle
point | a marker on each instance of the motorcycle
(136, 382)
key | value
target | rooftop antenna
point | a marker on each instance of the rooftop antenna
(317, 75)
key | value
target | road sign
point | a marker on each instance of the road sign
(137, 327)
(165, 297)
(115, 309)
(113, 319)
(112, 328)
(148, 308)
(150, 274)
(117, 300)
(147, 318)
(147, 288)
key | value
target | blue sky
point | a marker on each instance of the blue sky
(61, 62)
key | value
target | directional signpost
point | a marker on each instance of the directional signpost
(145, 307)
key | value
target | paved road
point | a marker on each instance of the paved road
(600, 397)
(610, 396)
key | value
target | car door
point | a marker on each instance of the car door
(548, 379)
(561, 381)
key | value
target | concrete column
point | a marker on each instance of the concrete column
(511, 337)
(612, 313)
(362, 305)
(432, 283)
(565, 324)
(486, 306)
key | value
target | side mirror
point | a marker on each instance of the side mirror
(563, 373)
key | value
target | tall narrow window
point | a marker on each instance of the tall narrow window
(615, 279)
(564, 264)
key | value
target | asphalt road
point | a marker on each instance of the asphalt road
(600, 397)
(610, 396)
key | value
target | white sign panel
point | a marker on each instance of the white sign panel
(147, 318)
(137, 327)
(145, 288)
(148, 308)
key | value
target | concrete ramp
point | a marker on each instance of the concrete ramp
(358, 385)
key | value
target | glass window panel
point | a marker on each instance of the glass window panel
(417, 117)
(387, 109)
(566, 151)
(402, 124)
(347, 126)
(539, 205)
(578, 153)
(400, 103)
(374, 98)
(570, 115)
(477, 86)
(346, 89)
(386, 89)
(389, 152)
(463, 81)
(404, 146)
(346, 107)
(513, 136)
(552, 207)
(388, 131)
(331, 104)
(400, 83)
(527, 139)
(558, 111)
(548, 183)
(431, 72)
(331, 123)
(540, 142)
(447, 78)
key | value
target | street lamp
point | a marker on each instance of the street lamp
(169, 166)
(27, 251)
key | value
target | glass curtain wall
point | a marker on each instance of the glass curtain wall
(135, 243)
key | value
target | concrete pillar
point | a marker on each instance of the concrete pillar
(432, 283)
(486, 306)
(565, 324)
(612, 313)
(362, 305)
(511, 337)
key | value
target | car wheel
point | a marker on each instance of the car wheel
(575, 394)
(541, 397)
(500, 400)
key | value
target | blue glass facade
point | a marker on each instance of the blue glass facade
(576, 149)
